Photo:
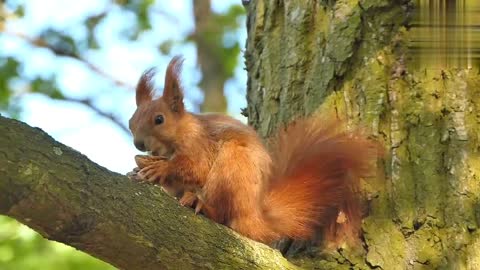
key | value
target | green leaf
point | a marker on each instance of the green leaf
(91, 23)
(61, 43)
(46, 87)
(8, 70)
(140, 8)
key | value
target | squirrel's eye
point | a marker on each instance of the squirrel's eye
(159, 119)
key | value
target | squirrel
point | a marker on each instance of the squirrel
(306, 179)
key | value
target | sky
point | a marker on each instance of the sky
(74, 124)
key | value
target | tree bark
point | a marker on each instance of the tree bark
(350, 57)
(67, 198)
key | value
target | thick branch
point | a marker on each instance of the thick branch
(66, 197)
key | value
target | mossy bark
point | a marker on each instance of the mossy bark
(349, 57)
(67, 198)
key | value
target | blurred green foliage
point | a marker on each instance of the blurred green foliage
(23, 249)
(222, 46)
(8, 69)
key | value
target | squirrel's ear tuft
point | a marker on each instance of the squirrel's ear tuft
(145, 89)
(173, 93)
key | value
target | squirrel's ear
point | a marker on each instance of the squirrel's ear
(145, 89)
(173, 93)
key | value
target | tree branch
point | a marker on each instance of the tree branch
(40, 43)
(66, 197)
(110, 116)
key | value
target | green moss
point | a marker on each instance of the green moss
(386, 245)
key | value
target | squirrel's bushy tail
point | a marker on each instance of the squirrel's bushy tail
(315, 177)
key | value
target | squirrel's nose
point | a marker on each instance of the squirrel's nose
(140, 145)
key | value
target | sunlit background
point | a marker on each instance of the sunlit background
(70, 68)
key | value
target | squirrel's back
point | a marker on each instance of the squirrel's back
(222, 128)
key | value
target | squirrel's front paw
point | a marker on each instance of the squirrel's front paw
(133, 175)
(154, 173)
(150, 169)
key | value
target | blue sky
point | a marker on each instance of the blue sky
(74, 124)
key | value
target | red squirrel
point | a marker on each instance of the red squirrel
(307, 178)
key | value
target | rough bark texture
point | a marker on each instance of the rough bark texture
(67, 198)
(349, 57)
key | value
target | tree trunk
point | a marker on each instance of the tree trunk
(350, 57)
(209, 59)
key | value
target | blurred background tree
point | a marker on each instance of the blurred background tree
(70, 68)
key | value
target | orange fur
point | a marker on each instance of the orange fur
(317, 169)
(309, 177)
